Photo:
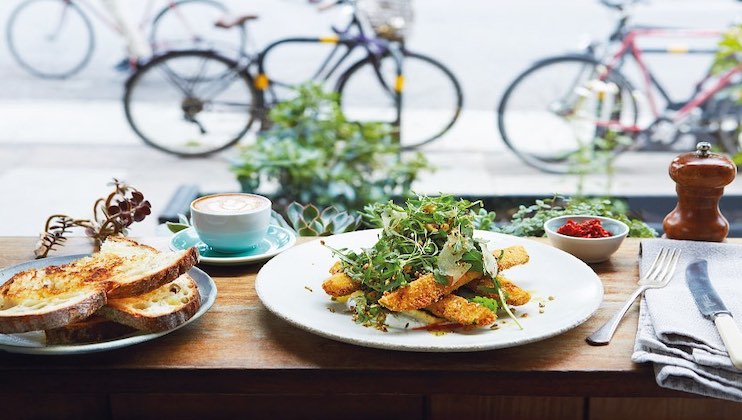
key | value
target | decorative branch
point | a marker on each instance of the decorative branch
(112, 215)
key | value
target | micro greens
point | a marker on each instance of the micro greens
(488, 303)
(426, 235)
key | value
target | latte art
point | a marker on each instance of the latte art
(230, 203)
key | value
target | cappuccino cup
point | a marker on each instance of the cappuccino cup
(231, 223)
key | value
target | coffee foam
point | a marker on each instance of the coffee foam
(230, 203)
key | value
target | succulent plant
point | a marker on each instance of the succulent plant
(308, 220)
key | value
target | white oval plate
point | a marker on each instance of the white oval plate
(290, 286)
(34, 342)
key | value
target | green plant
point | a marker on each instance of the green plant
(529, 220)
(480, 217)
(728, 56)
(728, 50)
(310, 221)
(313, 154)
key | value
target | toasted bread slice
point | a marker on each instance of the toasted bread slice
(90, 330)
(134, 268)
(54, 296)
(159, 310)
(46, 304)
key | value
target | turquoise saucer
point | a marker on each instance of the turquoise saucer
(277, 240)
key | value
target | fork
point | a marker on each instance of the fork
(658, 276)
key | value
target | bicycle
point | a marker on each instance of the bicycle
(593, 105)
(64, 24)
(218, 98)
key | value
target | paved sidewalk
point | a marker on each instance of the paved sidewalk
(64, 163)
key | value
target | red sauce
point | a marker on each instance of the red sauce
(587, 229)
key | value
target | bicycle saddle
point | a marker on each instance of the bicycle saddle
(226, 23)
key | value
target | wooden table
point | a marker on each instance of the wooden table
(239, 359)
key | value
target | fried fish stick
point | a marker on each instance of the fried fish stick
(515, 295)
(423, 292)
(459, 310)
(340, 284)
(511, 256)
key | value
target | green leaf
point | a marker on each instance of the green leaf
(488, 303)
(294, 213)
(176, 227)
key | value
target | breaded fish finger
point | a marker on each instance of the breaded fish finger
(422, 292)
(516, 296)
(340, 284)
(459, 310)
(511, 256)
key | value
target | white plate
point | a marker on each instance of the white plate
(290, 286)
(276, 240)
(35, 343)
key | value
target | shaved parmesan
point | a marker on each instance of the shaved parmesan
(449, 260)
(489, 260)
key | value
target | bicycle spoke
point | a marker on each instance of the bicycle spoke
(554, 115)
(425, 107)
(226, 105)
(176, 80)
(208, 107)
(227, 79)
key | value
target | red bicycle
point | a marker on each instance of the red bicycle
(565, 105)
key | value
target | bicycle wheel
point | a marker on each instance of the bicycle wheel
(50, 38)
(191, 22)
(431, 96)
(725, 114)
(190, 103)
(563, 109)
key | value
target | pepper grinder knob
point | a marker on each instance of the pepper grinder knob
(703, 148)
(700, 179)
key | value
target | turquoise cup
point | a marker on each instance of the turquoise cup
(231, 223)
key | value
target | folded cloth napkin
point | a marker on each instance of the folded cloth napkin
(685, 347)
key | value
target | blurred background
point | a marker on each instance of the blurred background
(61, 141)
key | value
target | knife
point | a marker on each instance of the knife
(712, 307)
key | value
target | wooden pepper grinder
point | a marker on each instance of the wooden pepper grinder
(700, 177)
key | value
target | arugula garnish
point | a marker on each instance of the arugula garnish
(425, 235)
(488, 303)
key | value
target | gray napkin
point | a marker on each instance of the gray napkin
(686, 349)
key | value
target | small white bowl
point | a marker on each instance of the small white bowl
(589, 250)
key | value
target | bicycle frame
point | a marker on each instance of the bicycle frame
(700, 95)
(110, 23)
(374, 47)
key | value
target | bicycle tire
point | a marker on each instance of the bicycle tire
(447, 117)
(166, 11)
(725, 113)
(23, 57)
(509, 121)
(177, 128)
